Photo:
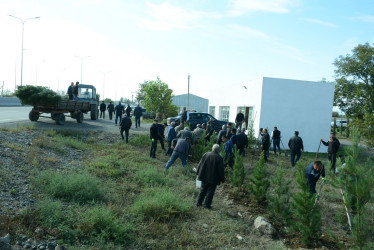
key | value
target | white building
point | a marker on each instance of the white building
(191, 102)
(288, 104)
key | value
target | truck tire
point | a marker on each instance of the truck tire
(53, 116)
(94, 112)
(79, 117)
(60, 119)
(33, 116)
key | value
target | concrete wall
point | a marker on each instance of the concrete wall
(196, 102)
(297, 105)
(10, 101)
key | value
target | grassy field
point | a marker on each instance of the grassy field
(112, 195)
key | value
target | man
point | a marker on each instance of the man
(179, 128)
(265, 143)
(233, 136)
(70, 91)
(210, 172)
(154, 134)
(128, 110)
(110, 110)
(138, 112)
(241, 142)
(296, 146)
(180, 150)
(75, 91)
(102, 109)
(161, 131)
(228, 130)
(184, 115)
(125, 125)
(276, 136)
(185, 133)
(229, 151)
(333, 146)
(220, 134)
(239, 120)
(312, 173)
(171, 136)
(209, 133)
(119, 110)
(198, 132)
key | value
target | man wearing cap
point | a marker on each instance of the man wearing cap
(119, 111)
(312, 173)
(229, 151)
(180, 150)
(102, 109)
(296, 146)
(154, 137)
(198, 132)
(110, 110)
(171, 136)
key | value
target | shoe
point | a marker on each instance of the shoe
(198, 205)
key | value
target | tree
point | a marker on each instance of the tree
(157, 98)
(258, 182)
(107, 100)
(238, 174)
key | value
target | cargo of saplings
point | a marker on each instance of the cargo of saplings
(37, 95)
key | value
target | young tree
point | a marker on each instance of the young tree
(258, 183)
(157, 98)
(238, 174)
(307, 215)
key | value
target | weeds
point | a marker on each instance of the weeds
(151, 177)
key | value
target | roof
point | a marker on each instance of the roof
(190, 96)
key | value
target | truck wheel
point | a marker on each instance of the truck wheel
(53, 116)
(80, 117)
(33, 116)
(94, 112)
(60, 119)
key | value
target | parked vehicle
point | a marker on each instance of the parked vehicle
(194, 118)
(86, 102)
(173, 119)
(340, 123)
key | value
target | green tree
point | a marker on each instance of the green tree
(156, 97)
(258, 183)
(107, 100)
(238, 174)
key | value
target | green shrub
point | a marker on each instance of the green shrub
(258, 182)
(37, 95)
(112, 165)
(140, 140)
(161, 204)
(151, 176)
(78, 187)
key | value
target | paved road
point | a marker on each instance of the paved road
(18, 116)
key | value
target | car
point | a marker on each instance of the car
(194, 118)
(340, 123)
(173, 119)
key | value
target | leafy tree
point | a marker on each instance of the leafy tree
(307, 216)
(258, 183)
(107, 100)
(157, 98)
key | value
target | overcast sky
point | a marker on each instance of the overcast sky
(221, 43)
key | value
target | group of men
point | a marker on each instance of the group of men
(73, 91)
(120, 110)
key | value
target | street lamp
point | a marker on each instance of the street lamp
(81, 58)
(23, 28)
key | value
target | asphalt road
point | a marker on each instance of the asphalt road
(11, 117)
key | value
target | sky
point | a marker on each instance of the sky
(222, 44)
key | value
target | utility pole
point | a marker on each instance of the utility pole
(2, 90)
(188, 93)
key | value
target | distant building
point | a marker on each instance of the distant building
(195, 103)
(290, 105)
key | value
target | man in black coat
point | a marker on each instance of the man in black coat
(110, 110)
(155, 135)
(210, 172)
(241, 142)
(128, 110)
(296, 146)
(102, 109)
(75, 91)
(119, 110)
(70, 91)
(265, 143)
(138, 112)
(221, 133)
(184, 115)
(239, 120)
(333, 146)
(161, 130)
(125, 125)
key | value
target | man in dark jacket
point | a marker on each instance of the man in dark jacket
(128, 110)
(296, 146)
(161, 130)
(265, 143)
(75, 91)
(229, 151)
(110, 110)
(181, 150)
(208, 133)
(184, 115)
(125, 125)
(171, 136)
(70, 91)
(312, 174)
(221, 133)
(333, 146)
(102, 109)
(239, 120)
(119, 110)
(276, 136)
(210, 172)
(138, 112)
(154, 134)
(242, 142)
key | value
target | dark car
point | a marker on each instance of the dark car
(173, 119)
(194, 118)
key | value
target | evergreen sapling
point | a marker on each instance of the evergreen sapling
(258, 182)
(237, 176)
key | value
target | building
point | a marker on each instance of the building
(290, 105)
(196, 103)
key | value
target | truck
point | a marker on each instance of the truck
(87, 102)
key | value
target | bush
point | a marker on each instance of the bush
(258, 182)
(307, 216)
(238, 174)
(161, 204)
(140, 140)
(108, 166)
(37, 95)
(150, 177)
(78, 187)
